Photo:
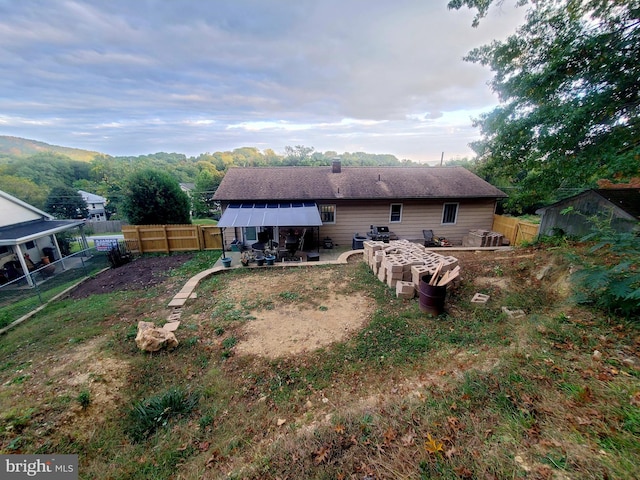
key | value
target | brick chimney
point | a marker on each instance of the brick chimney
(336, 166)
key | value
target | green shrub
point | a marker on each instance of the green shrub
(84, 399)
(148, 415)
(610, 278)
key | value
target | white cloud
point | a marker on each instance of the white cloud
(132, 77)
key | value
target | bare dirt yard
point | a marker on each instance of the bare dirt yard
(291, 324)
(143, 272)
(287, 327)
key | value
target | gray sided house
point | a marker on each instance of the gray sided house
(95, 206)
(620, 205)
(338, 202)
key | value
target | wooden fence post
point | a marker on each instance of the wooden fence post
(140, 249)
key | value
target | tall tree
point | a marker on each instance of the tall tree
(298, 155)
(66, 202)
(154, 197)
(568, 86)
(206, 185)
(24, 189)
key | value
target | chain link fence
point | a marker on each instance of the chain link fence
(24, 294)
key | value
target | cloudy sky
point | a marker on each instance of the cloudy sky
(131, 77)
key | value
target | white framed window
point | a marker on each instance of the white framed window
(449, 213)
(395, 213)
(327, 213)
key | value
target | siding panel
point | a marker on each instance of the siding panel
(357, 217)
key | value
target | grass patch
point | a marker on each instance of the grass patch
(470, 394)
(147, 416)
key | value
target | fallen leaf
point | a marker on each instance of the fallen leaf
(215, 456)
(321, 455)
(281, 421)
(585, 395)
(339, 429)
(454, 423)
(450, 453)
(408, 438)
(548, 443)
(583, 421)
(203, 446)
(463, 472)
(389, 436)
(635, 399)
(432, 445)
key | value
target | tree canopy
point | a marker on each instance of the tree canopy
(31, 178)
(206, 185)
(154, 197)
(569, 99)
(65, 202)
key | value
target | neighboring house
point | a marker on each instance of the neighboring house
(339, 202)
(95, 206)
(188, 187)
(26, 230)
(620, 205)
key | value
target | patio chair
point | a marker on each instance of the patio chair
(429, 240)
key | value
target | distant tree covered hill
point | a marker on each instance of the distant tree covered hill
(30, 169)
(22, 147)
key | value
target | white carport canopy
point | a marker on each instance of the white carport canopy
(271, 215)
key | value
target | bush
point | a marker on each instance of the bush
(148, 415)
(610, 280)
(154, 197)
(84, 399)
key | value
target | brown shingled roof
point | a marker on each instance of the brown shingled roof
(320, 183)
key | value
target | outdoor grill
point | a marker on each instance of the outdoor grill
(379, 233)
(291, 244)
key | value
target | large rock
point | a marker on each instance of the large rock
(151, 338)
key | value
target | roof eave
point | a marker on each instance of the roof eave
(44, 233)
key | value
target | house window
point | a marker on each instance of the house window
(395, 215)
(4, 249)
(30, 244)
(327, 213)
(449, 213)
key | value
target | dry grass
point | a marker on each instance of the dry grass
(473, 394)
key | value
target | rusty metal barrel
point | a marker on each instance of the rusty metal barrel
(431, 297)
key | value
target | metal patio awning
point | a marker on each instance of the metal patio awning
(26, 231)
(270, 215)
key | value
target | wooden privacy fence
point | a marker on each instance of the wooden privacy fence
(515, 230)
(171, 238)
(105, 226)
